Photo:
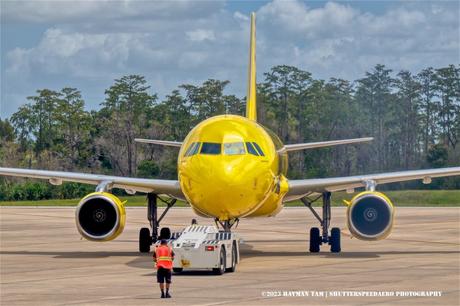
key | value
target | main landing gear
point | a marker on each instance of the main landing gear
(317, 238)
(149, 236)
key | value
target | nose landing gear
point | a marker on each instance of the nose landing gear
(149, 236)
(317, 239)
(227, 225)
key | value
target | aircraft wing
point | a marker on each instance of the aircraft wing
(159, 142)
(167, 187)
(322, 144)
(300, 188)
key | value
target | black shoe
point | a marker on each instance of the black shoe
(163, 296)
(168, 296)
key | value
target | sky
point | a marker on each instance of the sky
(89, 44)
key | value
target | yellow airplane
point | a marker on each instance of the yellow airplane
(231, 167)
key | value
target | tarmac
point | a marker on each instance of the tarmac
(45, 262)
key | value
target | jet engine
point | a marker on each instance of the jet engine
(370, 215)
(100, 216)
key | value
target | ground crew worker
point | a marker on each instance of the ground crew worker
(163, 257)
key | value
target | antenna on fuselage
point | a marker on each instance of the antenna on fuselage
(251, 106)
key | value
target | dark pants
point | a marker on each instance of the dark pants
(163, 275)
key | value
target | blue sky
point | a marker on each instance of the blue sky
(87, 44)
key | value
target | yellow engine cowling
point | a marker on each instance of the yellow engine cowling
(370, 215)
(100, 216)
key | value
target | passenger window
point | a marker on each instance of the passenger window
(234, 148)
(251, 149)
(210, 148)
(258, 149)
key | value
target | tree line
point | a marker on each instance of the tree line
(414, 118)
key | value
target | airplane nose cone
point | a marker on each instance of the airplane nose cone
(226, 188)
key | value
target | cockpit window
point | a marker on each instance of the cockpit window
(187, 153)
(251, 149)
(234, 148)
(210, 148)
(258, 149)
(193, 149)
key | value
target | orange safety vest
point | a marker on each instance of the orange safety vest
(164, 257)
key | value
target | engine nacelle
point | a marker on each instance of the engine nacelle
(100, 216)
(370, 215)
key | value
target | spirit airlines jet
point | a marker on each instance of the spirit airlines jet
(229, 168)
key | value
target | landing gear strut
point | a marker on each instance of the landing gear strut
(149, 236)
(316, 239)
(227, 225)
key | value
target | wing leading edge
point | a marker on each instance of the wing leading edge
(159, 142)
(322, 144)
(167, 187)
(300, 188)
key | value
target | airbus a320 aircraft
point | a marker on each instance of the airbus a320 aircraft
(231, 167)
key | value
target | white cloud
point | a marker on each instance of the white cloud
(72, 54)
(341, 40)
(200, 35)
(174, 42)
(240, 16)
(70, 11)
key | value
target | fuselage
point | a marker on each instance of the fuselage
(229, 167)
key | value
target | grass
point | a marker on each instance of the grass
(132, 201)
(415, 198)
(408, 198)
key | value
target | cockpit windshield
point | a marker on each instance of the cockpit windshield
(234, 148)
(193, 149)
(211, 148)
(259, 149)
(251, 149)
(230, 148)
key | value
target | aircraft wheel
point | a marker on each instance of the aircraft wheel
(165, 233)
(177, 270)
(335, 240)
(145, 240)
(221, 269)
(315, 240)
(234, 259)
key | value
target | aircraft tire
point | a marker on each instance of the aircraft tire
(315, 240)
(165, 233)
(222, 263)
(335, 240)
(145, 240)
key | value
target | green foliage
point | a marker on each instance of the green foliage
(437, 156)
(148, 169)
(6, 131)
(414, 198)
(415, 120)
(124, 116)
(40, 190)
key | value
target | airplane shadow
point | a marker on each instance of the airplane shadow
(187, 273)
(247, 251)
(144, 261)
(79, 254)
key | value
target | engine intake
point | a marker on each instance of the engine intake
(100, 216)
(370, 216)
